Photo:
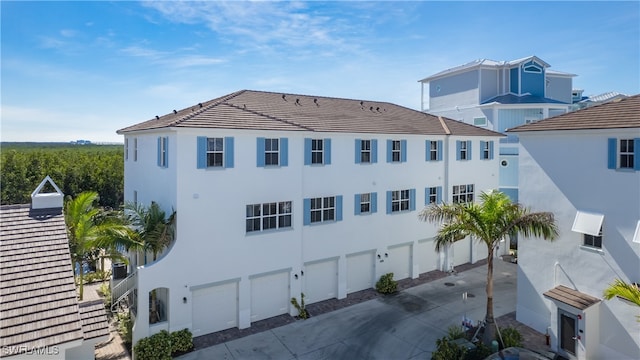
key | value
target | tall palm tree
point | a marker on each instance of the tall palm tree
(629, 292)
(89, 229)
(155, 230)
(492, 220)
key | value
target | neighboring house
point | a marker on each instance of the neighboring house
(499, 95)
(280, 194)
(592, 100)
(583, 166)
(40, 316)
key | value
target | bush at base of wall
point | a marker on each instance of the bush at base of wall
(163, 345)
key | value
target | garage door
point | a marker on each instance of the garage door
(214, 308)
(426, 256)
(320, 280)
(461, 252)
(269, 295)
(400, 261)
(360, 271)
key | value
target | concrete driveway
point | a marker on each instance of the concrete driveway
(401, 326)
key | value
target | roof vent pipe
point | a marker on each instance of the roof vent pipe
(315, 101)
(157, 117)
(297, 101)
(174, 111)
(200, 104)
(284, 97)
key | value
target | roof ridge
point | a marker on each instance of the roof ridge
(444, 126)
(270, 117)
(214, 103)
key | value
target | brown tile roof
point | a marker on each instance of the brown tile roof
(258, 110)
(571, 297)
(617, 114)
(38, 305)
(94, 319)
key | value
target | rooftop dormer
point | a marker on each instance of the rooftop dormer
(49, 199)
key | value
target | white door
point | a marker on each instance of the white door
(426, 256)
(214, 308)
(269, 295)
(461, 252)
(360, 271)
(399, 261)
(321, 281)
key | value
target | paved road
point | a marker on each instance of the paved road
(398, 327)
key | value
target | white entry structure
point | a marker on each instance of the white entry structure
(585, 167)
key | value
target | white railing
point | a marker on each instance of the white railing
(121, 290)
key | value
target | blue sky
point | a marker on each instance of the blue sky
(82, 70)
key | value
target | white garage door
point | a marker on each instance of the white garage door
(360, 271)
(269, 295)
(426, 256)
(400, 261)
(215, 308)
(320, 280)
(461, 252)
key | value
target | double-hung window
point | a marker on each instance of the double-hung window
(401, 200)
(624, 154)
(275, 215)
(462, 193)
(163, 151)
(135, 149)
(433, 195)
(272, 152)
(317, 151)
(366, 151)
(486, 150)
(396, 151)
(433, 150)
(463, 150)
(322, 209)
(365, 203)
(215, 152)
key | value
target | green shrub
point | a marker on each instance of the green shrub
(181, 341)
(302, 312)
(155, 347)
(511, 337)
(447, 350)
(455, 332)
(386, 284)
(125, 326)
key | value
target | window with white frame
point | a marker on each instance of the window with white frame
(365, 203)
(462, 193)
(480, 121)
(626, 153)
(433, 150)
(135, 149)
(396, 151)
(323, 209)
(400, 200)
(271, 152)
(275, 215)
(126, 149)
(365, 151)
(485, 151)
(594, 241)
(215, 152)
(463, 151)
(432, 196)
(163, 151)
(317, 150)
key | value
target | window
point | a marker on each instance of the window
(463, 193)
(624, 154)
(322, 209)
(593, 240)
(135, 149)
(463, 150)
(433, 150)
(366, 151)
(532, 68)
(480, 121)
(433, 195)
(126, 149)
(272, 152)
(215, 152)
(400, 200)
(486, 150)
(275, 215)
(396, 151)
(317, 151)
(365, 203)
(163, 151)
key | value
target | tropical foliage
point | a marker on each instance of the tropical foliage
(490, 221)
(629, 292)
(155, 231)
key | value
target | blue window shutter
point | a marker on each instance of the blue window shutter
(458, 149)
(427, 150)
(284, 152)
(202, 152)
(307, 151)
(260, 152)
(339, 208)
(439, 147)
(374, 202)
(412, 199)
(327, 151)
(389, 202)
(228, 152)
(403, 151)
(426, 196)
(374, 151)
(613, 153)
(356, 202)
(468, 149)
(307, 211)
(482, 149)
(159, 151)
(389, 147)
(166, 152)
(438, 194)
(490, 150)
(358, 148)
(636, 154)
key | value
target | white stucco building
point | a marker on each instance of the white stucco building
(280, 194)
(585, 168)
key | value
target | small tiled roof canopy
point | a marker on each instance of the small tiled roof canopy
(617, 114)
(257, 110)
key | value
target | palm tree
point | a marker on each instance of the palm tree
(629, 292)
(154, 229)
(90, 229)
(492, 220)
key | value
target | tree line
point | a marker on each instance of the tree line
(74, 168)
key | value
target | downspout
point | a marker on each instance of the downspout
(448, 253)
(422, 96)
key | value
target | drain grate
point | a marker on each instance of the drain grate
(449, 284)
